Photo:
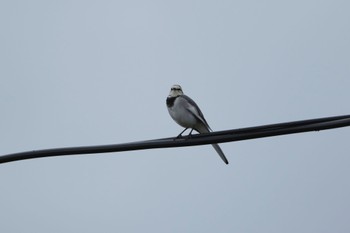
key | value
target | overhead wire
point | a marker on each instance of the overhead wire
(192, 140)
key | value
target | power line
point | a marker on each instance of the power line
(194, 140)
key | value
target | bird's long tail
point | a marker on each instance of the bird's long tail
(204, 129)
(221, 154)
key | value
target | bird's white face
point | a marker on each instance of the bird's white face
(175, 91)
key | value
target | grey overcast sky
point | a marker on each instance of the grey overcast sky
(78, 73)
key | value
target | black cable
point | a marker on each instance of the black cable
(194, 140)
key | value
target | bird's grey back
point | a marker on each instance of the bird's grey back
(191, 102)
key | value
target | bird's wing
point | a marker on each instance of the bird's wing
(193, 108)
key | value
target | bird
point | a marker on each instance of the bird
(187, 114)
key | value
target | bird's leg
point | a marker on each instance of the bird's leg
(180, 135)
(190, 134)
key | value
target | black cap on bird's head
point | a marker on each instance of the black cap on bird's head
(175, 91)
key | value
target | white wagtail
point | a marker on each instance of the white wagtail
(186, 113)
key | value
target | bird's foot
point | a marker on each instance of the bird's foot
(190, 134)
(180, 135)
(187, 137)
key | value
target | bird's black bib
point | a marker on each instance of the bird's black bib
(170, 101)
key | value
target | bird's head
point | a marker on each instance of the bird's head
(175, 91)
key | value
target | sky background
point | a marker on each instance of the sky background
(80, 73)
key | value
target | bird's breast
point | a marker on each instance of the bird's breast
(180, 114)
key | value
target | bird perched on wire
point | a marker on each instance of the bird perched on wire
(186, 113)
